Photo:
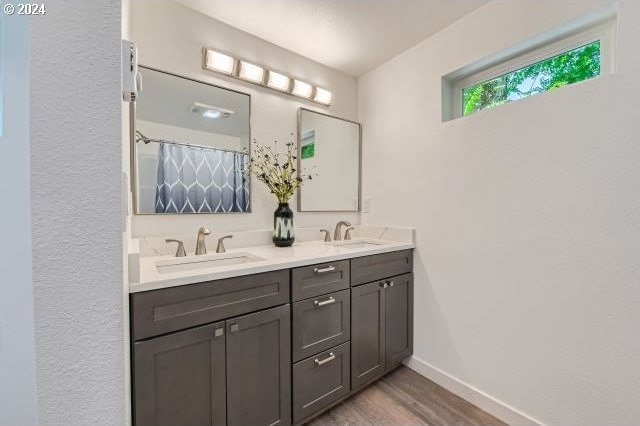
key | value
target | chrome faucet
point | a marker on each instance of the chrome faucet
(337, 234)
(220, 248)
(201, 247)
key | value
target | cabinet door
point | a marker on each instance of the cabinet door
(259, 368)
(367, 333)
(399, 319)
(179, 379)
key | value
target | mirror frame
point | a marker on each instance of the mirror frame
(133, 179)
(299, 152)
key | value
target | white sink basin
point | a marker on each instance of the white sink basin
(359, 243)
(207, 261)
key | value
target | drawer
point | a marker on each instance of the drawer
(320, 381)
(379, 266)
(320, 323)
(315, 280)
(170, 309)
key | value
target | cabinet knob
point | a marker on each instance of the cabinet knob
(387, 284)
(218, 332)
(234, 328)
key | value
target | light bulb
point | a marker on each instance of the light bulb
(219, 62)
(302, 89)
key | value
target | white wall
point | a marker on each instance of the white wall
(527, 218)
(18, 403)
(76, 208)
(170, 37)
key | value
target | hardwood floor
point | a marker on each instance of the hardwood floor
(404, 397)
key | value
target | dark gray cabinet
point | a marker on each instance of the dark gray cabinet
(398, 302)
(381, 327)
(176, 308)
(372, 268)
(235, 352)
(320, 323)
(259, 369)
(315, 280)
(367, 333)
(320, 381)
(236, 372)
(179, 379)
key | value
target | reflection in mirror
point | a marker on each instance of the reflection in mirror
(192, 143)
(331, 145)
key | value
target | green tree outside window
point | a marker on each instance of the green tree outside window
(550, 74)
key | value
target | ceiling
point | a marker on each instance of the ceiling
(352, 36)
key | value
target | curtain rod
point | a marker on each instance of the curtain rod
(142, 138)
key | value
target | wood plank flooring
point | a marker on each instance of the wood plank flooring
(404, 397)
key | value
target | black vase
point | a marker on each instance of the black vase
(283, 235)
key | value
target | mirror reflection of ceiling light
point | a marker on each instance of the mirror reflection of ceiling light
(210, 111)
(252, 73)
(219, 61)
(278, 81)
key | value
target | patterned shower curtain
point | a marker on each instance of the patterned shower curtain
(201, 180)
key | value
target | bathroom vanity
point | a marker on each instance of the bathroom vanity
(274, 347)
(258, 335)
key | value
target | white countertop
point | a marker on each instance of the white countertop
(275, 258)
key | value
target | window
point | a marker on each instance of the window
(550, 74)
(544, 64)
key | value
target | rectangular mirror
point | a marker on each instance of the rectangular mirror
(331, 147)
(191, 144)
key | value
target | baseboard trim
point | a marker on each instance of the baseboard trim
(475, 396)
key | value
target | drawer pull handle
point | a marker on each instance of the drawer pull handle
(330, 358)
(329, 268)
(329, 301)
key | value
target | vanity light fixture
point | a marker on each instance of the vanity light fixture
(302, 89)
(322, 96)
(278, 81)
(253, 73)
(210, 111)
(219, 62)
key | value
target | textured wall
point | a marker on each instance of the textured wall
(76, 187)
(170, 37)
(527, 218)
